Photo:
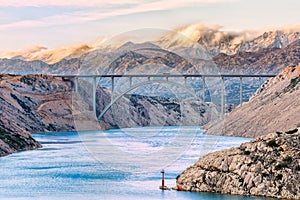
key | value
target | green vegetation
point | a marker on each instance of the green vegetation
(294, 82)
(272, 143)
(21, 103)
(288, 159)
(281, 165)
(29, 80)
(14, 141)
(292, 131)
(279, 177)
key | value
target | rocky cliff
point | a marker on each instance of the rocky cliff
(274, 107)
(267, 166)
(31, 104)
(12, 141)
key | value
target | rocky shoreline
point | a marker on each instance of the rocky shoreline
(11, 142)
(267, 166)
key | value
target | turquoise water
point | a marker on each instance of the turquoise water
(68, 168)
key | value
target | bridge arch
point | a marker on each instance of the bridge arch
(142, 84)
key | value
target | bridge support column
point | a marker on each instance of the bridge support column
(76, 84)
(241, 91)
(130, 81)
(203, 88)
(222, 97)
(260, 81)
(112, 88)
(94, 94)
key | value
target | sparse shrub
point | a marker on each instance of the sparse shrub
(280, 149)
(272, 143)
(292, 131)
(265, 174)
(21, 103)
(281, 165)
(272, 161)
(29, 80)
(287, 159)
(247, 152)
(279, 177)
(297, 168)
(294, 82)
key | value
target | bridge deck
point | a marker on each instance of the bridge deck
(169, 75)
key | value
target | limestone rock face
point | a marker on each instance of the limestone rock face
(33, 103)
(11, 141)
(274, 107)
(267, 166)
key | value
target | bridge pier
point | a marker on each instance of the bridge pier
(203, 88)
(112, 88)
(94, 94)
(130, 81)
(222, 97)
(76, 84)
(260, 81)
(241, 91)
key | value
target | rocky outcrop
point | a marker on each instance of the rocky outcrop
(265, 60)
(33, 103)
(267, 166)
(11, 141)
(274, 107)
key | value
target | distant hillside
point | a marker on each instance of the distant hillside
(274, 107)
(268, 60)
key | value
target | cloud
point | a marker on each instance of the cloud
(23, 3)
(84, 3)
(92, 10)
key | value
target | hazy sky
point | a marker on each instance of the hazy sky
(53, 23)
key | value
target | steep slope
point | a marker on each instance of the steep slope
(31, 104)
(35, 103)
(12, 141)
(267, 60)
(266, 166)
(213, 41)
(274, 107)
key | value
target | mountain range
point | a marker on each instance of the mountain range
(202, 46)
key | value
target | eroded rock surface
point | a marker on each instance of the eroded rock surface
(267, 166)
(274, 107)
